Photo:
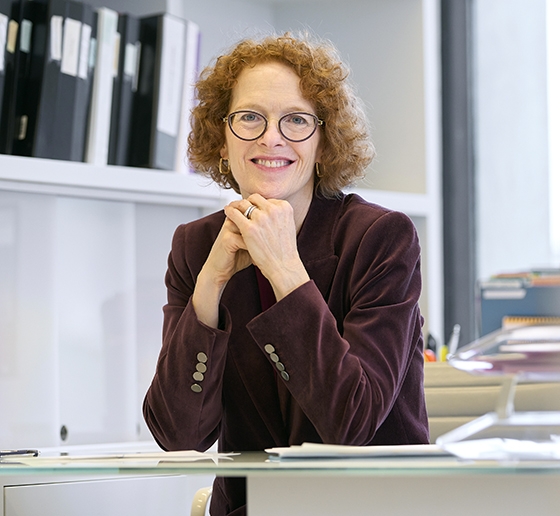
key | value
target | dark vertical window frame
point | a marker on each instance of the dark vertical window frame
(458, 174)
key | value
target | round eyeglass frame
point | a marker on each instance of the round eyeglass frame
(229, 118)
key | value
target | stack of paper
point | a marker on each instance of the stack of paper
(335, 451)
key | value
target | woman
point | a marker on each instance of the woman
(293, 314)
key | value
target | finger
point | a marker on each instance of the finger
(239, 217)
(249, 211)
(244, 206)
(230, 226)
(239, 204)
(234, 242)
(236, 217)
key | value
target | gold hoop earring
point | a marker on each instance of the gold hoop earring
(221, 168)
(317, 170)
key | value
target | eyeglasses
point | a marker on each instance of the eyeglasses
(250, 125)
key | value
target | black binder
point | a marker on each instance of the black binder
(5, 16)
(11, 66)
(30, 56)
(158, 99)
(82, 98)
(125, 85)
(65, 93)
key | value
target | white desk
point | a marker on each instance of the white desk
(402, 486)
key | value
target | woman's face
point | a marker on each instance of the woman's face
(271, 165)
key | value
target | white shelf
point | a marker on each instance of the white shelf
(45, 176)
(67, 178)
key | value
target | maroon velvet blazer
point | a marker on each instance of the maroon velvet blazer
(339, 360)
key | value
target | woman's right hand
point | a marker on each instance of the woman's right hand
(228, 256)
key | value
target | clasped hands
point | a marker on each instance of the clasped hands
(267, 240)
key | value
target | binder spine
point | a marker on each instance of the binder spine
(142, 116)
(168, 91)
(159, 98)
(124, 90)
(46, 116)
(32, 48)
(11, 67)
(192, 56)
(97, 147)
(77, 79)
(5, 6)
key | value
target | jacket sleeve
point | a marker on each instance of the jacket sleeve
(183, 405)
(345, 359)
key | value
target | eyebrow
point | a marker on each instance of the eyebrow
(263, 111)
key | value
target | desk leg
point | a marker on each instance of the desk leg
(396, 495)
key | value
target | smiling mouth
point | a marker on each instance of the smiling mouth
(270, 163)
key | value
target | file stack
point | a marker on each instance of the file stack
(91, 84)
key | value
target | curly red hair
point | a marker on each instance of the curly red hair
(346, 146)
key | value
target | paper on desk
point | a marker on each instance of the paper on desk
(127, 459)
(335, 451)
(504, 449)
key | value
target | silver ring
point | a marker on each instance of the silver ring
(248, 211)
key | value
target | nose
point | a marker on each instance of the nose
(272, 137)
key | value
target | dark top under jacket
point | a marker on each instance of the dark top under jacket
(338, 360)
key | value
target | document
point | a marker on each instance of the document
(505, 449)
(145, 459)
(336, 451)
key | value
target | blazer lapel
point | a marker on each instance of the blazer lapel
(315, 241)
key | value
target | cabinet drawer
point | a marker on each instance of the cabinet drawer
(141, 496)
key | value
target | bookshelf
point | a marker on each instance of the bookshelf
(85, 246)
(127, 184)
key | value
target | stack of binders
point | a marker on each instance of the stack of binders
(75, 80)
(23, 51)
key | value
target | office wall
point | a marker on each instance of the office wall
(244, 19)
(139, 7)
(381, 45)
(511, 144)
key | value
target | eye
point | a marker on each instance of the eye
(249, 116)
(297, 119)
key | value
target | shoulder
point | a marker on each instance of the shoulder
(356, 206)
(359, 217)
(204, 228)
(369, 237)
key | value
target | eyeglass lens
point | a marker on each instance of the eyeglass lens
(250, 125)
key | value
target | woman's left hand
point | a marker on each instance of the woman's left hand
(270, 237)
